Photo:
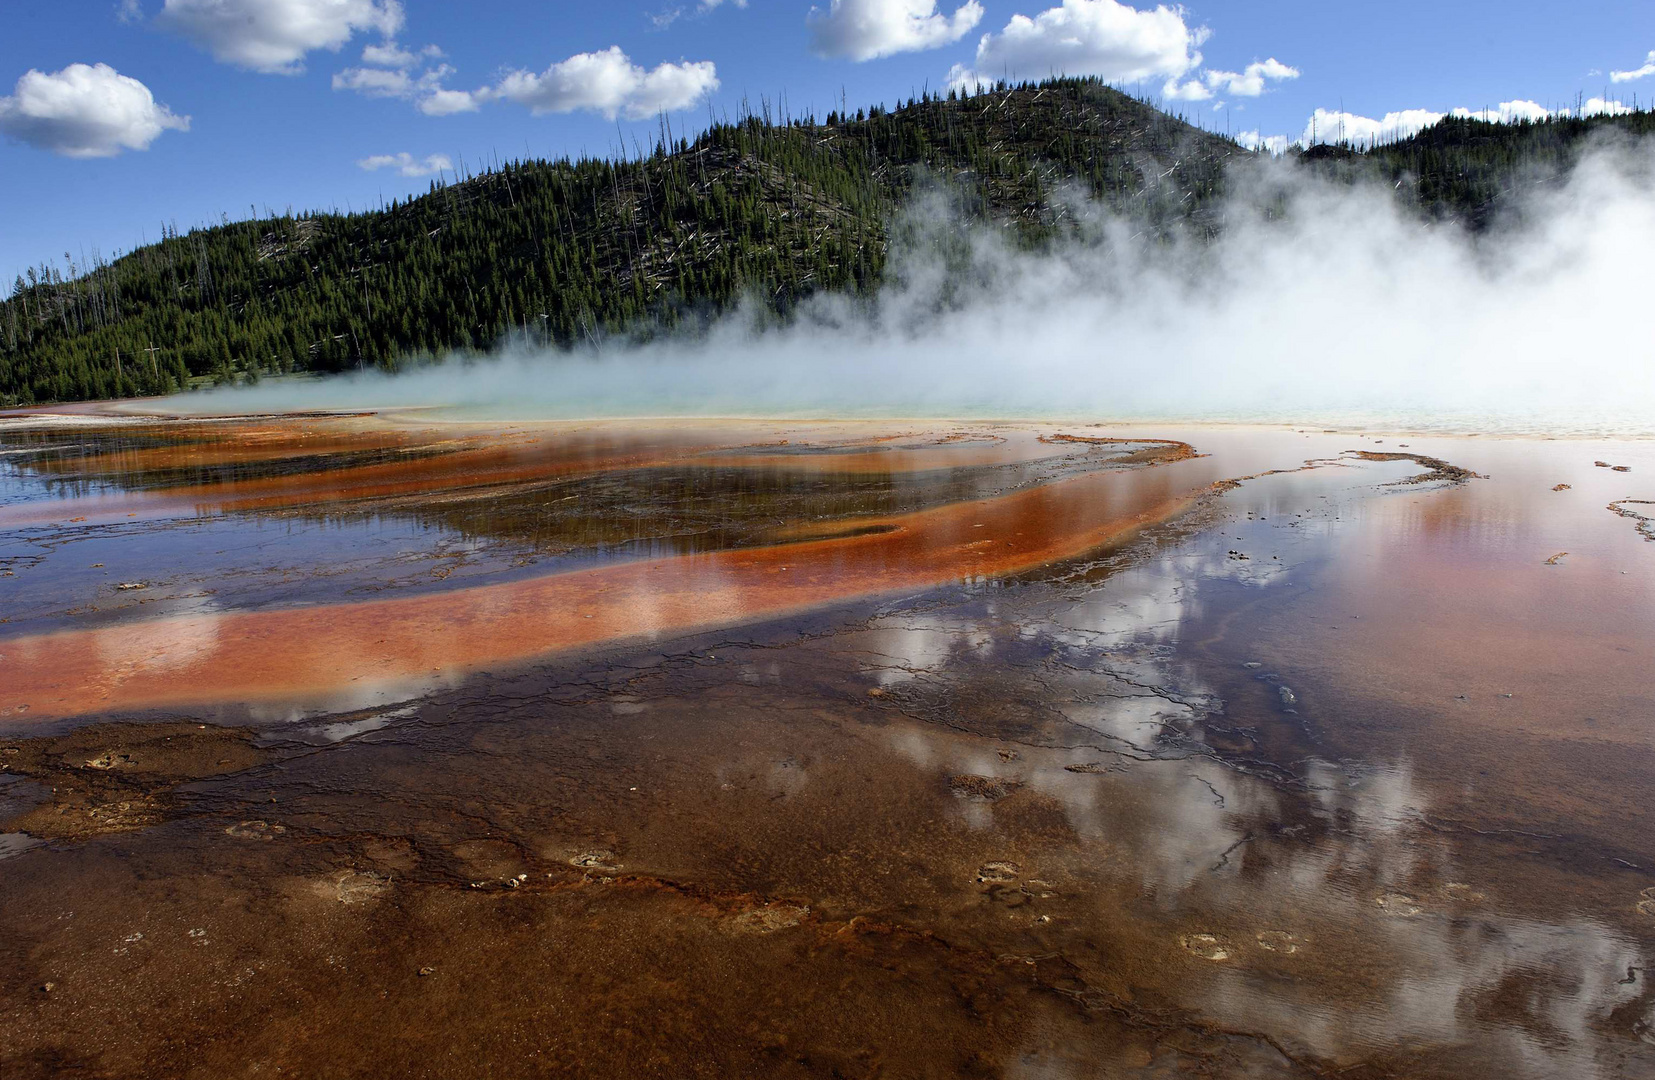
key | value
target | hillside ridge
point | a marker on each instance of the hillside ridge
(569, 251)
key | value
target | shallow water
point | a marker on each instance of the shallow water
(822, 749)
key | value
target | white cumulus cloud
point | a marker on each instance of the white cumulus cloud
(86, 111)
(1636, 73)
(1273, 144)
(1600, 107)
(606, 82)
(1193, 90)
(449, 102)
(1508, 112)
(869, 29)
(1249, 82)
(1087, 37)
(273, 36)
(408, 165)
(1333, 127)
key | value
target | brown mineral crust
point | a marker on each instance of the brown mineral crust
(111, 778)
(1437, 470)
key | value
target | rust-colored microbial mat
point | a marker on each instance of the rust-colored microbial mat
(375, 746)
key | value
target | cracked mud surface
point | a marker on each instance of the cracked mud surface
(1144, 809)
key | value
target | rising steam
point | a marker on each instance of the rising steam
(1344, 309)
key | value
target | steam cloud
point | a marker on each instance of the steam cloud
(1344, 309)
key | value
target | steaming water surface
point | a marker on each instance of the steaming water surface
(1315, 304)
(797, 748)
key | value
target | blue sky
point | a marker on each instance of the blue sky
(119, 115)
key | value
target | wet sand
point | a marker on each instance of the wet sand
(1042, 757)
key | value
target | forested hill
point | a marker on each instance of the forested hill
(1468, 169)
(566, 251)
(573, 250)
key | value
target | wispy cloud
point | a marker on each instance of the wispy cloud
(1249, 82)
(388, 72)
(274, 36)
(667, 16)
(408, 165)
(1636, 73)
(391, 55)
(606, 82)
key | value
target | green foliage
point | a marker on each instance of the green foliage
(570, 251)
